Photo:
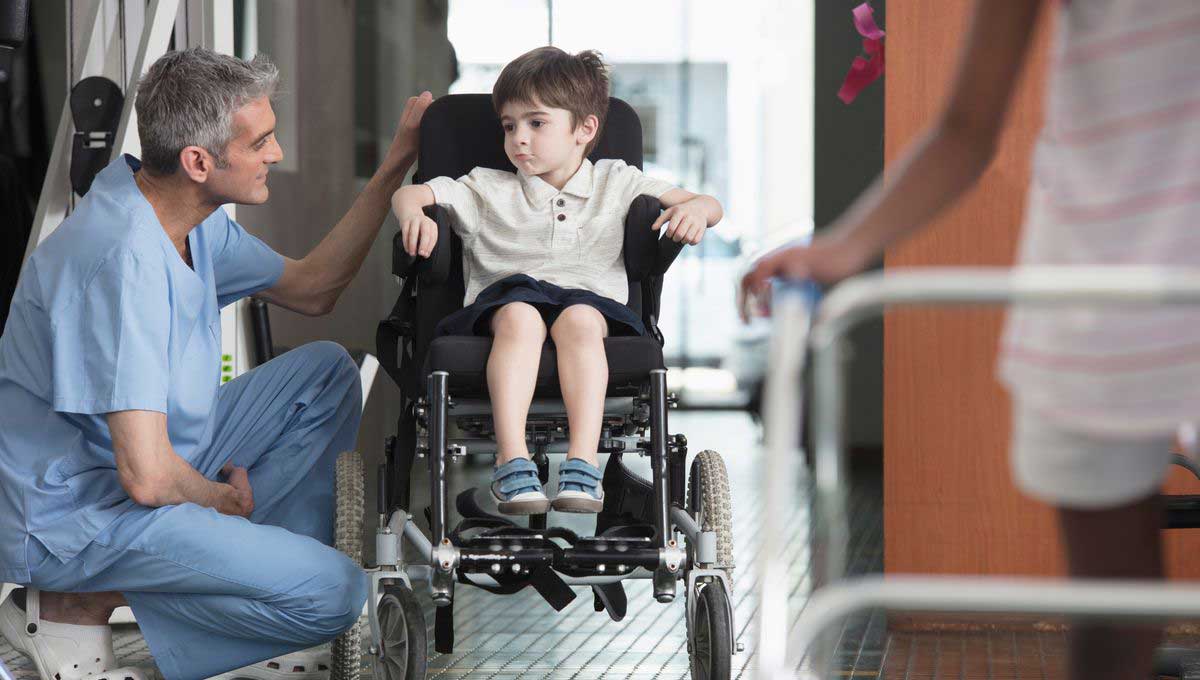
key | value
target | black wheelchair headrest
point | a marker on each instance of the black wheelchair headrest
(461, 132)
(14, 22)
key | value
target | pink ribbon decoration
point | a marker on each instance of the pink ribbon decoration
(864, 21)
(864, 71)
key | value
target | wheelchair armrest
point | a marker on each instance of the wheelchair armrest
(646, 254)
(434, 269)
(667, 251)
(641, 244)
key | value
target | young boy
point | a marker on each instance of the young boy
(542, 254)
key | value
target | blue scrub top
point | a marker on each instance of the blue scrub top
(108, 317)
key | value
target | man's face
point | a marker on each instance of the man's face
(539, 139)
(248, 156)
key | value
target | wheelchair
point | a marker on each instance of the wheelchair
(674, 529)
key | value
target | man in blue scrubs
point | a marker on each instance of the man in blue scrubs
(126, 473)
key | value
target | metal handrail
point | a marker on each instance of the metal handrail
(845, 306)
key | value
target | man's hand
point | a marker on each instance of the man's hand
(404, 145)
(313, 284)
(685, 223)
(826, 260)
(241, 501)
(419, 234)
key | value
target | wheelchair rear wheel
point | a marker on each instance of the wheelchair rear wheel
(708, 502)
(404, 644)
(346, 651)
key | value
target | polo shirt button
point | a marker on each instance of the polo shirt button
(561, 217)
(561, 202)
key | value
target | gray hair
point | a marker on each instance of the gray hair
(188, 98)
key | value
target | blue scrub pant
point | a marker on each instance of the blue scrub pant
(213, 592)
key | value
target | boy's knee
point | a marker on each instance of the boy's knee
(518, 319)
(579, 322)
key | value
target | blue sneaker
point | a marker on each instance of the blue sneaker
(579, 487)
(517, 489)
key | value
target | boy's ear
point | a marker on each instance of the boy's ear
(586, 131)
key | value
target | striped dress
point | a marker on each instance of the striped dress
(1116, 180)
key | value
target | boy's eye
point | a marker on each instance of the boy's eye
(508, 127)
(536, 123)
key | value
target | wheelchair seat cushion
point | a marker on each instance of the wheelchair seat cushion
(550, 300)
(630, 360)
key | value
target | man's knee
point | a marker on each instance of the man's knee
(330, 358)
(328, 355)
(336, 600)
(519, 320)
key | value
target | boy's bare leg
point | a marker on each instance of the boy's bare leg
(1122, 542)
(82, 609)
(519, 333)
(583, 375)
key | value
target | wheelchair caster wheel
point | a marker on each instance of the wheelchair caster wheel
(401, 651)
(710, 639)
(345, 656)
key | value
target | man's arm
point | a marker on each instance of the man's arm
(154, 475)
(313, 284)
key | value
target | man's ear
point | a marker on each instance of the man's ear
(196, 163)
(586, 131)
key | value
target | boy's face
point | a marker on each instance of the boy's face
(539, 139)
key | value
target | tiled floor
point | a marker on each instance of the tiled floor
(520, 636)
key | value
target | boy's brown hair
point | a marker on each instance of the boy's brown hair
(577, 83)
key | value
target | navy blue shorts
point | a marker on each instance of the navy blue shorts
(550, 300)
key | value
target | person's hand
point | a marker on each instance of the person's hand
(241, 501)
(826, 260)
(419, 234)
(685, 223)
(404, 145)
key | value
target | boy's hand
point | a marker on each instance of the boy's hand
(686, 222)
(419, 233)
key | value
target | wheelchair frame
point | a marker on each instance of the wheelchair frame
(491, 560)
(835, 597)
(661, 559)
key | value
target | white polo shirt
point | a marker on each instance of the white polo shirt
(511, 223)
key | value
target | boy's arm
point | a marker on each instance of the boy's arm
(418, 231)
(687, 215)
